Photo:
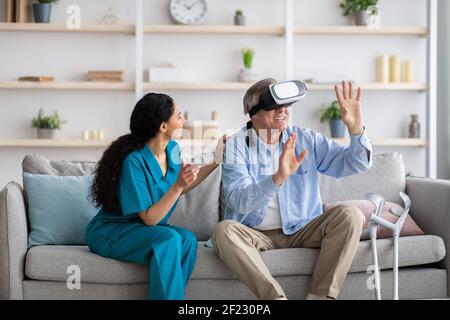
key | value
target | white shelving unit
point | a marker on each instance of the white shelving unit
(288, 32)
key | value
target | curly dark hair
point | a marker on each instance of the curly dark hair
(149, 113)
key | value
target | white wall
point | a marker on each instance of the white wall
(215, 58)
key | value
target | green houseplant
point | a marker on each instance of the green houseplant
(42, 10)
(359, 9)
(332, 113)
(247, 56)
(47, 125)
(247, 74)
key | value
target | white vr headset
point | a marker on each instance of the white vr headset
(281, 94)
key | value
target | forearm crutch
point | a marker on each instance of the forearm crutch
(376, 220)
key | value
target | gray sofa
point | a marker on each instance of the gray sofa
(40, 272)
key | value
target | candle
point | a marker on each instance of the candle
(394, 68)
(85, 135)
(101, 135)
(407, 74)
(383, 69)
(94, 134)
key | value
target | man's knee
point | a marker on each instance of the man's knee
(352, 215)
(224, 231)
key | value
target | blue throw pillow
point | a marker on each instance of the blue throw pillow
(58, 208)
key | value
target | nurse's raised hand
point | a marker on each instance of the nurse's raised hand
(186, 176)
(220, 148)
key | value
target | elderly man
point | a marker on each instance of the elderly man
(270, 183)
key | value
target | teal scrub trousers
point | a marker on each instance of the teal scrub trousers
(169, 251)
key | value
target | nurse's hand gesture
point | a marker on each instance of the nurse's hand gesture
(220, 148)
(186, 176)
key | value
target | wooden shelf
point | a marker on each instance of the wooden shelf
(400, 142)
(225, 86)
(76, 143)
(70, 143)
(205, 29)
(217, 29)
(245, 86)
(360, 30)
(64, 143)
(50, 27)
(73, 85)
(374, 86)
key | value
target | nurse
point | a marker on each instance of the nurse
(137, 184)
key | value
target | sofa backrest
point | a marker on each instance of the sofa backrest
(386, 177)
(200, 209)
(39, 165)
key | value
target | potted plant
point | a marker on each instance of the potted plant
(247, 74)
(239, 18)
(47, 125)
(359, 10)
(42, 10)
(332, 113)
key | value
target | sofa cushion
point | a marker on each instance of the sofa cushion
(386, 177)
(39, 165)
(58, 208)
(51, 262)
(198, 210)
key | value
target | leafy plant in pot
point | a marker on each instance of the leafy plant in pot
(332, 113)
(47, 125)
(247, 74)
(359, 9)
(42, 10)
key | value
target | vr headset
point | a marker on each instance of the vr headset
(281, 94)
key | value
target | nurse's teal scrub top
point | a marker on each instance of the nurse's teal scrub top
(142, 184)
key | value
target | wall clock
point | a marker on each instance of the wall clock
(188, 11)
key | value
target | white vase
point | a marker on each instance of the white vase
(247, 75)
(46, 133)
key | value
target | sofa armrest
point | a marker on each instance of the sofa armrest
(430, 208)
(13, 241)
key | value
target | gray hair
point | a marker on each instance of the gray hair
(254, 93)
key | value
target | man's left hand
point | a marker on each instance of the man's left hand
(350, 107)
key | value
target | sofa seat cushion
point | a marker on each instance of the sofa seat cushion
(52, 262)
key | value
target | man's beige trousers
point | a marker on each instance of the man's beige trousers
(336, 232)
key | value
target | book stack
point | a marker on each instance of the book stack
(18, 11)
(108, 76)
(36, 78)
